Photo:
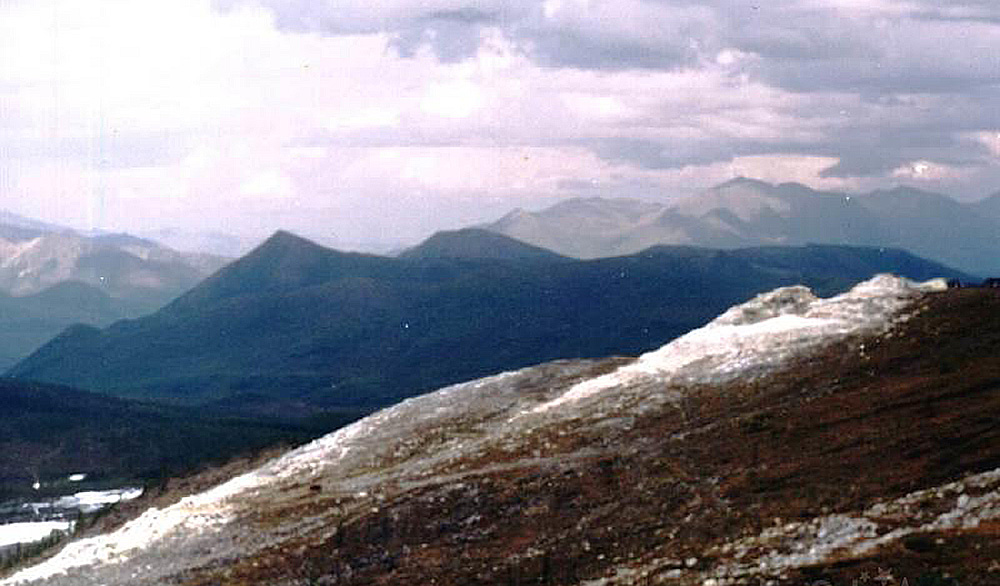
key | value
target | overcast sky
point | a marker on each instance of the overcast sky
(367, 120)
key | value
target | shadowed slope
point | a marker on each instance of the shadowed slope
(48, 432)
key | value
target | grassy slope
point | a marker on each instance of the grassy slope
(835, 432)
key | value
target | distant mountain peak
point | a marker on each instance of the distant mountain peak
(516, 213)
(283, 262)
(283, 246)
(742, 181)
(745, 211)
(908, 190)
(746, 199)
(477, 243)
(8, 218)
(285, 238)
(279, 247)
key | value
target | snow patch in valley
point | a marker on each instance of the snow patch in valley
(56, 514)
(90, 501)
(761, 334)
(30, 532)
(194, 514)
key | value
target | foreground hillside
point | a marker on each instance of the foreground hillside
(294, 325)
(791, 441)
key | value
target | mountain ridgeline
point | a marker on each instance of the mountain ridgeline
(746, 212)
(52, 277)
(294, 325)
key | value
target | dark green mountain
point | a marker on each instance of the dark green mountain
(293, 323)
(28, 322)
(48, 432)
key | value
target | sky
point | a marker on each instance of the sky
(375, 123)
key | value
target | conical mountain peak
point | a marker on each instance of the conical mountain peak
(476, 243)
(283, 262)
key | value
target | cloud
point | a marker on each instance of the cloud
(336, 115)
(602, 34)
(803, 44)
(858, 56)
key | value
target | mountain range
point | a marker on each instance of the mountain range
(293, 326)
(793, 440)
(52, 277)
(746, 212)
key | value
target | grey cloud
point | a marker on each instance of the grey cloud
(454, 36)
(808, 50)
(867, 163)
(873, 152)
(467, 15)
(651, 154)
(660, 155)
(877, 59)
(111, 150)
(453, 32)
(800, 46)
(391, 16)
(881, 135)
(570, 48)
(971, 11)
(880, 76)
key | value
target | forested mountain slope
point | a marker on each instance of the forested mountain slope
(293, 322)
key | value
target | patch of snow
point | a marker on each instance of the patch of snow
(14, 533)
(836, 536)
(192, 514)
(760, 334)
(77, 477)
(92, 500)
(209, 511)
